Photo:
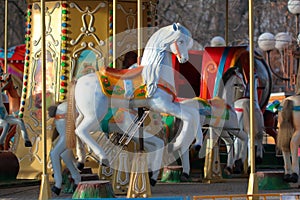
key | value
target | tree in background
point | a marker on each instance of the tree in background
(16, 22)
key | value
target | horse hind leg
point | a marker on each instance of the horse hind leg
(294, 145)
(69, 160)
(229, 148)
(287, 165)
(5, 127)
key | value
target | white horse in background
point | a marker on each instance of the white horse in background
(158, 76)
(60, 149)
(242, 107)
(154, 147)
(9, 119)
(288, 138)
(220, 114)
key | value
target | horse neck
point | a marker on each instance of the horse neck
(159, 63)
(14, 98)
(229, 91)
(247, 93)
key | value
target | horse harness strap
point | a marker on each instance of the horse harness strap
(295, 108)
(178, 54)
(60, 116)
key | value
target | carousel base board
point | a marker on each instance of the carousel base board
(19, 183)
(272, 180)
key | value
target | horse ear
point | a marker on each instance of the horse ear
(176, 26)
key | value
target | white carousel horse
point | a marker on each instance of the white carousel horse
(242, 107)
(157, 74)
(288, 138)
(60, 149)
(9, 119)
(217, 114)
(153, 146)
(220, 114)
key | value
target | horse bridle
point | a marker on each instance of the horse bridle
(177, 54)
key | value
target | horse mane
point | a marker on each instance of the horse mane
(154, 51)
(17, 83)
(286, 128)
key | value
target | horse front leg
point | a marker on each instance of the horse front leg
(229, 147)
(154, 147)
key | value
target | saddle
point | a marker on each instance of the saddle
(115, 81)
(122, 73)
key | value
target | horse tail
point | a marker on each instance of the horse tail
(286, 128)
(70, 117)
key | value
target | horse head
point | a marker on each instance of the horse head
(182, 43)
(12, 84)
(232, 86)
(5, 78)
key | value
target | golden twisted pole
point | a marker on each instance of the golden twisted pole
(252, 184)
(45, 186)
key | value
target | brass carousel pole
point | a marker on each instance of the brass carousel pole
(114, 33)
(139, 184)
(252, 184)
(139, 33)
(45, 186)
(5, 35)
(226, 24)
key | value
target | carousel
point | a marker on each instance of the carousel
(77, 51)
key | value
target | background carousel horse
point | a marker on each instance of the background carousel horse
(242, 107)
(230, 89)
(219, 113)
(154, 145)
(6, 120)
(288, 138)
(60, 149)
(221, 117)
(92, 102)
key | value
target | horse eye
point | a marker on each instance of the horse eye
(180, 42)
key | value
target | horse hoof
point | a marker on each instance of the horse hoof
(228, 171)
(294, 178)
(238, 166)
(258, 160)
(184, 177)
(28, 144)
(74, 187)
(105, 162)
(80, 166)
(152, 182)
(286, 177)
(197, 147)
(56, 190)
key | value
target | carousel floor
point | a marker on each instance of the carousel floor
(195, 188)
